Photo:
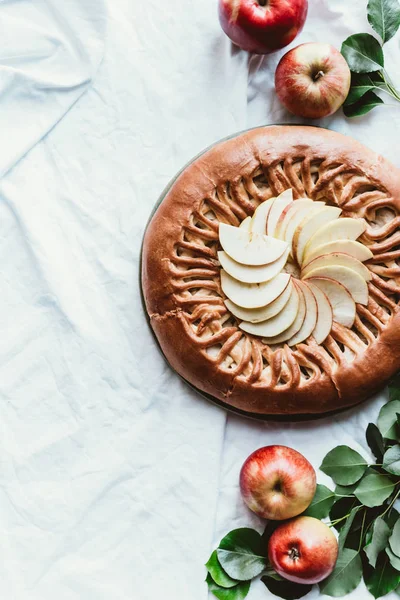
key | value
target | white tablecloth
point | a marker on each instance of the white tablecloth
(116, 480)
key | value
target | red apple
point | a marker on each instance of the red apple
(303, 550)
(262, 26)
(312, 80)
(277, 482)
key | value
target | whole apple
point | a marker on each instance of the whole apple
(262, 26)
(312, 80)
(277, 482)
(303, 550)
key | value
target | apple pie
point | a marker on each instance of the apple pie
(270, 274)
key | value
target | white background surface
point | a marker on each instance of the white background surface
(116, 481)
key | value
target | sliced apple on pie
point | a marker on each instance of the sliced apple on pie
(252, 274)
(341, 229)
(253, 295)
(338, 259)
(249, 248)
(255, 315)
(343, 305)
(351, 247)
(310, 226)
(294, 311)
(323, 325)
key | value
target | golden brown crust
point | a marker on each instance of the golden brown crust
(180, 272)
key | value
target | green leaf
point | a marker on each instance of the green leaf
(286, 589)
(235, 593)
(340, 509)
(361, 83)
(345, 530)
(346, 575)
(394, 560)
(384, 17)
(345, 490)
(268, 531)
(391, 517)
(344, 465)
(375, 441)
(387, 420)
(383, 579)
(379, 540)
(394, 388)
(241, 554)
(321, 503)
(373, 490)
(391, 460)
(363, 53)
(218, 574)
(394, 540)
(369, 101)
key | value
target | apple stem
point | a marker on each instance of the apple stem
(294, 554)
(318, 75)
(262, 2)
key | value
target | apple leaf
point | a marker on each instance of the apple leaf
(394, 388)
(286, 589)
(238, 592)
(321, 503)
(394, 560)
(346, 575)
(218, 574)
(345, 490)
(241, 554)
(344, 465)
(391, 460)
(369, 101)
(383, 579)
(341, 509)
(394, 540)
(378, 542)
(384, 17)
(345, 530)
(387, 420)
(363, 53)
(373, 490)
(375, 441)
(361, 83)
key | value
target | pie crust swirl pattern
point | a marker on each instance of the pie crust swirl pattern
(181, 273)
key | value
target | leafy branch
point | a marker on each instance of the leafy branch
(361, 509)
(365, 57)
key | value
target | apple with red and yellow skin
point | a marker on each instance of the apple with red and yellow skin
(312, 80)
(304, 550)
(277, 482)
(262, 26)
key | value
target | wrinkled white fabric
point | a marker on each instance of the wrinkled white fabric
(117, 480)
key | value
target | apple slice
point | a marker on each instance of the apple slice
(339, 259)
(249, 274)
(343, 305)
(253, 295)
(310, 319)
(288, 213)
(309, 226)
(346, 228)
(355, 249)
(252, 249)
(352, 281)
(259, 219)
(323, 325)
(296, 217)
(245, 224)
(277, 208)
(296, 325)
(255, 315)
(282, 320)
